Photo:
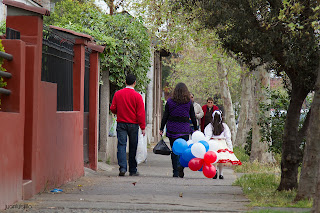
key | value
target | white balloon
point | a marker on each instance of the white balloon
(198, 150)
(198, 136)
(189, 142)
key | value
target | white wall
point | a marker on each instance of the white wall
(3, 12)
(3, 8)
(150, 100)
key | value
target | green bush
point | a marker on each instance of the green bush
(126, 40)
(272, 126)
(2, 27)
(2, 82)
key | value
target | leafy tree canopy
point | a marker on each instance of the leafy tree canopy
(197, 67)
(126, 40)
(281, 33)
(196, 51)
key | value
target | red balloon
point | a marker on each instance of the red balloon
(210, 157)
(209, 170)
(195, 164)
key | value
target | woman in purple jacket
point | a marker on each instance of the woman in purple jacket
(176, 116)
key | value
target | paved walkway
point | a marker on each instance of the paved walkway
(155, 190)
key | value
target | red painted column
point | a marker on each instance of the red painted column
(30, 28)
(93, 112)
(78, 75)
(14, 102)
(78, 86)
(12, 126)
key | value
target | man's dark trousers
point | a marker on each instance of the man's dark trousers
(124, 130)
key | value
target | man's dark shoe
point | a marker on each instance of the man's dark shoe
(221, 177)
(215, 177)
(181, 173)
(122, 173)
(134, 174)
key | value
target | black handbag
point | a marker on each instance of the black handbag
(161, 148)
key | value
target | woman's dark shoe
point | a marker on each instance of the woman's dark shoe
(181, 173)
(215, 177)
(221, 177)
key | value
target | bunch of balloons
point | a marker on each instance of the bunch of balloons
(197, 154)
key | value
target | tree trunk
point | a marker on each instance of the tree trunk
(311, 159)
(313, 132)
(247, 106)
(110, 4)
(111, 7)
(316, 201)
(227, 101)
(259, 149)
(291, 153)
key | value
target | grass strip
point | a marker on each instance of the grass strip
(260, 182)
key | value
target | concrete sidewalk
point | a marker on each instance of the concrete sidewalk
(155, 190)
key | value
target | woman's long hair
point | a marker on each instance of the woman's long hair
(181, 94)
(217, 127)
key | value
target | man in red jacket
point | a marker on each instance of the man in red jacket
(208, 109)
(129, 107)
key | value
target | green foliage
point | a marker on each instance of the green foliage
(272, 124)
(281, 33)
(195, 51)
(196, 66)
(247, 147)
(126, 40)
(241, 154)
(261, 189)
(2, 82)
(172, 28)
(2, 27)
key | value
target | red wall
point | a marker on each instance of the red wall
(41, 148)
(12, 126)
(59, 156)
(11, 157)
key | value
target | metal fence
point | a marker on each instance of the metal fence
(12, 34)
(57, 66)
(86, 79)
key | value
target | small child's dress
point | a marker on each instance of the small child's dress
(222, 144)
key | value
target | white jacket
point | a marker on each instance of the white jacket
(198, 111)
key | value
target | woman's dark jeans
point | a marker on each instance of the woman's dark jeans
(123, 131)
(175, 158)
